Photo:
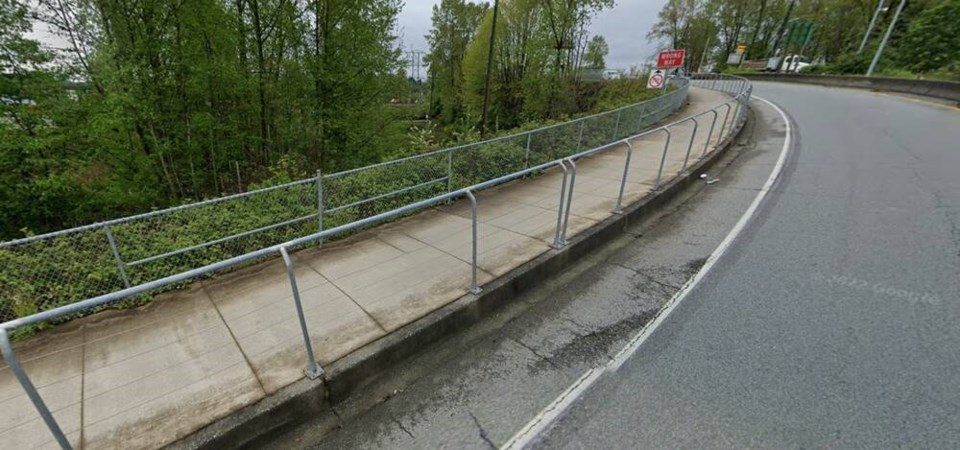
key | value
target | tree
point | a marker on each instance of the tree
(455, 24)
(597, 51)
(674, 22)
(931, 40)
(567, 23)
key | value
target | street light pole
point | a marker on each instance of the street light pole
(886, 37)
(873, 22)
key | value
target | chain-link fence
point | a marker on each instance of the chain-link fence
(55, 269)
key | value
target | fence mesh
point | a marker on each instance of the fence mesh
(196, 236)
(47, 273)
(73, 265)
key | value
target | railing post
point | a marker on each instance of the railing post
(741, 110)
(313, 370)
(623, 182)
(14, 364)
(526, 156)
(320, 207)
(121, 266)
(686, 159)
(710, 134)
(643, 115)
(557, 241)
(663, 159)
(616, 129)
(723, 126)
(566, 218)
(583, 122)
(474, 286)
(450, 171)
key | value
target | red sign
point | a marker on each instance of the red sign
(671, 59)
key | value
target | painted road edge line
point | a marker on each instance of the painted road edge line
(623, 355)
(545, 418)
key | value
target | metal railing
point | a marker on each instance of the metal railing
(739, 89)
(50, 270)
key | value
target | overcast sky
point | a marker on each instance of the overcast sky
(625, 27)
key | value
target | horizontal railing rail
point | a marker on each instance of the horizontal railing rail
(738, 88)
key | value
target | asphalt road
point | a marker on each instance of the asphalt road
(833, 323)
(830, 322)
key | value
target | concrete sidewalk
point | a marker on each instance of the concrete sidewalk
(147, 377)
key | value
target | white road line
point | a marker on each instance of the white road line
(545, 418)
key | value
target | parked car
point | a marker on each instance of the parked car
(611, 75)
(791, 63)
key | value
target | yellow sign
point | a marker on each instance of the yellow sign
(741, 48)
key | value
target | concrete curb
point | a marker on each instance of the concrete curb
(302, 399)
(946, 90)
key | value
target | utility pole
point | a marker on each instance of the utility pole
(783, 28)
(756, 31)
(703, 58)
(873, 22)
(886, 37)
(486, 91)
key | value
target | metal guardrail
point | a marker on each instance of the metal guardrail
(739, 89)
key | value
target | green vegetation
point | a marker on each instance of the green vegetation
(924, 42)
(156, 103)
(51, 272)
(924, 47)
(539, 49)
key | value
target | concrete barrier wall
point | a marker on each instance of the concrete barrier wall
(947, 90)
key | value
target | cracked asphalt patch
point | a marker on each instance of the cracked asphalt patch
(475, 389)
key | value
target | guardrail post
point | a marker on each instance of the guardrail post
(121, 266)
(14, 364)
(566, 219)
(623, 182)
(474, 286)
(313, 370)
(319, 206)
(710, 134)
(663, 159)
(686, 159)
(557, 241)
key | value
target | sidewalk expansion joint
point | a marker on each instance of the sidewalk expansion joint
(246, 359)
(469, 263)
(345, 294)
